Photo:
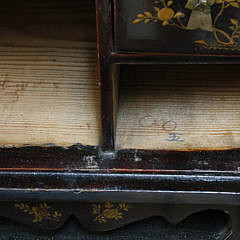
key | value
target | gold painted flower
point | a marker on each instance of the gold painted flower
(112, 213)
(165, 14)
(41, 212)
(109, 211)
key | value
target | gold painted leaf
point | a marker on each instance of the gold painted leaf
(235, 36)
(165, 23)
(234, 4)
(46, 206)
(124, 206)
(201, 42)
(137, 21)
(157, 9)
(108, 205)
(232, 28)
(140, 15)
(35, 220)
(148, 14)
(178, 14)
(169, 3)
(233, 21)
(147, 21)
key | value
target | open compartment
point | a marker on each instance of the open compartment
(48, 69)
(178, 107)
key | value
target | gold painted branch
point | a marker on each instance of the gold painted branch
(40, 213)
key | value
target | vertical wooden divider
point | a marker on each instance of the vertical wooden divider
(105, 71)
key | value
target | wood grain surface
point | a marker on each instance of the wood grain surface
(48, 84)
(179, 107)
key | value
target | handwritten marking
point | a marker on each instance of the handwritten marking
(169, 126)
(175, 137)
(150, 121)
(147, 121)
(16, 89)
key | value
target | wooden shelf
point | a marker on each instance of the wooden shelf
(179, 107)
(49, 92)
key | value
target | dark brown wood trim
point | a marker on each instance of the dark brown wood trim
(99, 186)
(104, 42)
(89, 158)
(174, 58)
